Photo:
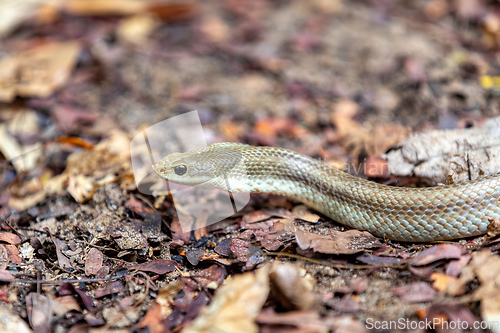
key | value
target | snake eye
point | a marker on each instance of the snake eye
(180, 170)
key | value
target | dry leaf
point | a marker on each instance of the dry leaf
(63, 304)
(63, 261)
(486, 266)
(215, 29)
(37, 72)
(39, 308)
(13, 13)
(101, 165)
(80, 187)
(158, 266)
(9, 322)
(373, 140)
(10, 238)
(4, 257)
(438, 252)
(136, 29)
(292, 287)
(94, 261)
(108, 289)
(347, 242)
(415, 292)
(105, 7)
(303, 213)
(161, 307)
(23, 158)
(235, 305)
(448, 284)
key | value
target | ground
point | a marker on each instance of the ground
(341, 81)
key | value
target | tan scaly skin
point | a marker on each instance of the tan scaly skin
(397, 213)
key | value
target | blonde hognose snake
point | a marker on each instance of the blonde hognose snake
(397, 213)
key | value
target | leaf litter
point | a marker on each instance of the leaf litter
(100, 254)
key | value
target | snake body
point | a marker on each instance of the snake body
(398, 213)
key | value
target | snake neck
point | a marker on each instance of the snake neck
(284, 172)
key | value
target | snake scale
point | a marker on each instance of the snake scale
(398, 213)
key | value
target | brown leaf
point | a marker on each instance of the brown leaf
(274, 126)
(292, 287)
(136, 29)
(240, 248)
(214, 29)
(271, 244)
(70, 117)
(194, 256)
(486, 266)
(308, 321)
(138, 207)
(159, 266)
(59, 244)
(161, 307)
(422, 271)
(105, 7)
(451, 313)
(200, 227)
(451, 285)
(13, 253)
(255, 216)
(208, 276)
(39, 308)
(372, 140)
(10, 238)
(81, 187)
(177, 233)
(153, 319)
(23, 157)
(108, 289)
(231, 130)
(102, 272)
(198, 303)
(388, 251)
(173, 12)
(438, 252)
(454, 267)
(376, 167)
(345, 305)
(348, 242)
(69, 289)
(4, 257)
(223, 248)
(371, 259)
(75, 141)
(63, 304)
(235, 304)
(415, 292)
(94, 261)
(303, 213)
(12, 322)
(40, 71)
(6, 276)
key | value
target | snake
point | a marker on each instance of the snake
(407, 214)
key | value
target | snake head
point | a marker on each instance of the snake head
(185, 168)
(212, 166)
